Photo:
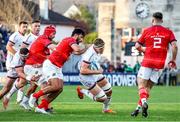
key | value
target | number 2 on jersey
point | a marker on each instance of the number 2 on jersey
(157, 42)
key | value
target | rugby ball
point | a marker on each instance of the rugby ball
(95, 66)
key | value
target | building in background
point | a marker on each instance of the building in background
(64, 25)
(122, 21)
(42, 10)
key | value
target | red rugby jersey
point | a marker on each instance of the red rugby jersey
(156, 39)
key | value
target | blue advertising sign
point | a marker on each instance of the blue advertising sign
(116, 79)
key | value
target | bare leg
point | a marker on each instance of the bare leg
(6, 88)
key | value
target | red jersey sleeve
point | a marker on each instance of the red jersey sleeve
(172, 37)
(141, 40)
(72, 41)
(47, 42)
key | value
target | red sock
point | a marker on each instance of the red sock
(44, 104)
(38, 94)
(139, 102)
(143, 93)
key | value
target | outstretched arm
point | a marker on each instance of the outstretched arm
(172, 63)
(139, 47)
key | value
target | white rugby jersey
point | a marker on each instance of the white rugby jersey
(29, 39)
(16, 38)
(17, 61)
(90, 56)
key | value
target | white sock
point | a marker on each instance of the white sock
(106, 103)
(12, 91)
(143, 100)
(25, 99)
(19, 96)
(138, 107)
(88, 94)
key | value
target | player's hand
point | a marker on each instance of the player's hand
(172, 64)
(101, 71)
(35, 78)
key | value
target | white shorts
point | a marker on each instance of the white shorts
(30, 71)
(149, 74)
(90, 80)
(8, 61)
(12, 73)
(51, 71)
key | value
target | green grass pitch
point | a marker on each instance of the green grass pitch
(164, 105)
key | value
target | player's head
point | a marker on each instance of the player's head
(35, 27)
(24, 52)
(99, 45)
(157, 18)
(50, 31)
(23, 25)
(78, 34)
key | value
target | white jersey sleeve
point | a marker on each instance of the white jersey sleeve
(16, 38)
(13, 37)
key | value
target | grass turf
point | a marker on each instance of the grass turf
(164, 105)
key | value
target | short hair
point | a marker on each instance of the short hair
(23, 22)
(78, 31)
(99, 43)
(158, 15)
(24, 51)
(35, 21)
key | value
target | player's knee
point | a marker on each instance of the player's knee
(58, 87)
(107, 89)
(101, 96)
(6, 89)
(33, 88)
(21, 85)
(61, 89)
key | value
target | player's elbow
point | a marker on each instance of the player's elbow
(7, 47)
(138, 47)
(174, 46)
(83, 71)
(77, 49)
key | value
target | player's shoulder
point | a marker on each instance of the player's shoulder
(89, 52)
(90, 49)
(42, 38)
(15, 34)
(168, 29)
(69, 39)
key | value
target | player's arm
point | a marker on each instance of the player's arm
(24, 45)
(172, 63)
(78, 49)
(174, 50)
(85, 70)
(139, 47)
(9, 47)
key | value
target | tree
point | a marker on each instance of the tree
(13, 11)
(86, 18)
(89, 38)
